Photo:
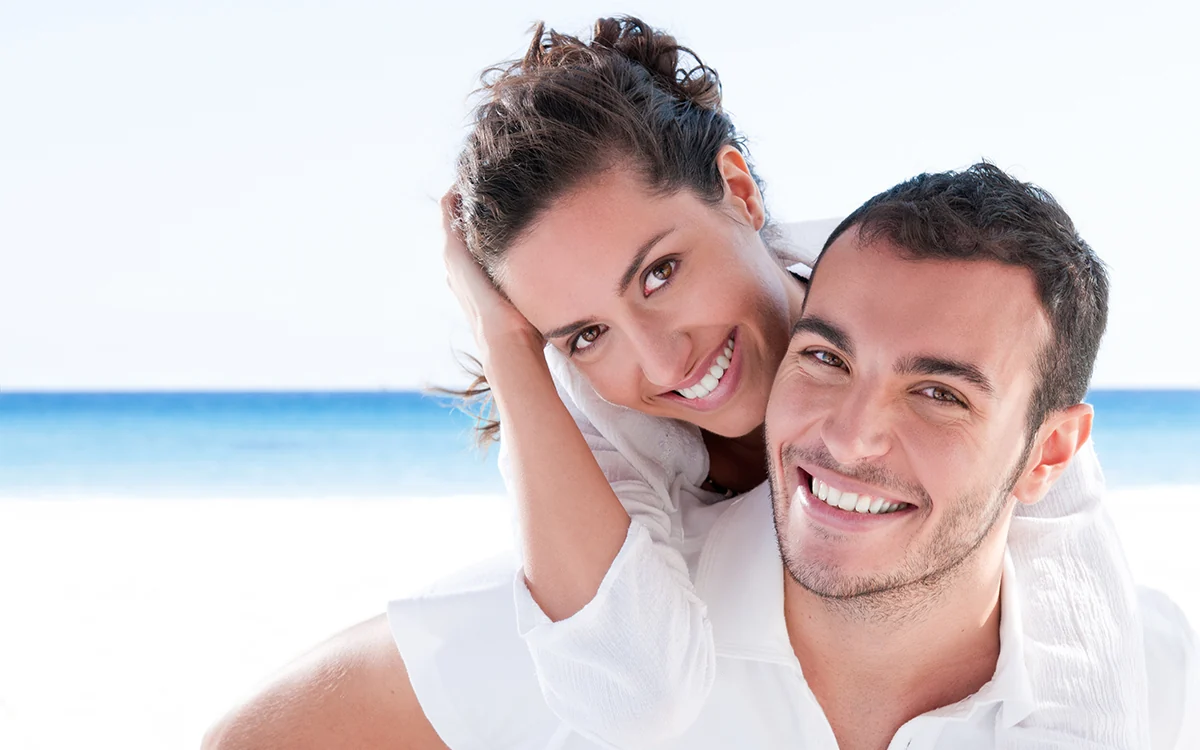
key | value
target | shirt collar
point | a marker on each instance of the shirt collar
(740, 576)
(1011, 685)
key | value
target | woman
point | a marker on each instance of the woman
(644, 310)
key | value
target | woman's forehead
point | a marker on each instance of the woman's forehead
(585, 242)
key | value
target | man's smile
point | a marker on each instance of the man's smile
(831, 499)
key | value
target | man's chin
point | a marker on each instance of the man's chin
(841, 576)
(830, 582)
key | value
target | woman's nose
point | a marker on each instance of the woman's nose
(664, 357)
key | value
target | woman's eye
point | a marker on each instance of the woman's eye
(658, 276)
(942, 395)
(828, 358)
(585, 339)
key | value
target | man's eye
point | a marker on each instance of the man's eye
(659, 275)
(941, 395)
(586, 338)
(827, 358)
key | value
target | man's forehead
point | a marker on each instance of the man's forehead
(875, 293)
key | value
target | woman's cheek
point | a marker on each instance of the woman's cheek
(614, 383)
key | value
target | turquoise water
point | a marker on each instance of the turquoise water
(394, 444)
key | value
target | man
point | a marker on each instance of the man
(933, 382)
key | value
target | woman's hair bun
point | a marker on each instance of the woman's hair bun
(674, 68)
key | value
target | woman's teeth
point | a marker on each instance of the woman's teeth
(852, 501)
(709, 382)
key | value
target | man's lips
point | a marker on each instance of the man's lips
(848, 496)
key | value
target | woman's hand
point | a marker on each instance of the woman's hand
(496, 323)
(571, 523)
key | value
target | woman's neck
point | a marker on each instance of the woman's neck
(739, 463)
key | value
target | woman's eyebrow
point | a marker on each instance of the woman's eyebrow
(643, 251)
(568, 328)
(622, 285)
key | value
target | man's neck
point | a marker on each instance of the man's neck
(873, 666)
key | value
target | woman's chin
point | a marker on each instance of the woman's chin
(742, 416)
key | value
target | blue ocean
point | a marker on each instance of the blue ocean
(387, 444)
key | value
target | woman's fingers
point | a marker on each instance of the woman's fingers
(450, 203)
(488, 311)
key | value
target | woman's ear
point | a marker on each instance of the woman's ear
(1058, 440)
(741, 191)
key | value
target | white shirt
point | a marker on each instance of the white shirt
(638, 662)
(760, 699)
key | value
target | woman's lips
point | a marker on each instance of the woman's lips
(710, 388)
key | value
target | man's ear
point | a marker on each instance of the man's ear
(1058, 440)
(741, 191)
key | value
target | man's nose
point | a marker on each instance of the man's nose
(856, 427)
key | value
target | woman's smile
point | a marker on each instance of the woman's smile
(714, 380)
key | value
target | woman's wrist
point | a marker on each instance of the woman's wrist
(519, 341)
(521, 383)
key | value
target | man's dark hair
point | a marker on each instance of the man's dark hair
(982, 213)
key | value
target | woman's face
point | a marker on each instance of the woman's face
(667, 304)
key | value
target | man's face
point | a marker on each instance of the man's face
(897, 423)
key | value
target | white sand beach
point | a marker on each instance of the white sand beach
(134, 623)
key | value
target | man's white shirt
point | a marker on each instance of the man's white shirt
(761, 700)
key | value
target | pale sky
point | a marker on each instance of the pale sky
(243, 195)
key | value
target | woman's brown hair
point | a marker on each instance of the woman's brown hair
(571, 109)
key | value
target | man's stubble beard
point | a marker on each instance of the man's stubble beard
(915, 587)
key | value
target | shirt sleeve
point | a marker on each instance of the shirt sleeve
(1189, 729)
(1082, 628)
(1171, 667)
(636, 664)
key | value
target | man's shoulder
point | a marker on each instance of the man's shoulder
(1172, 671)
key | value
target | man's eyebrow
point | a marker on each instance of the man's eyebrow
(643, 251)
(927, 365)
(826, 330)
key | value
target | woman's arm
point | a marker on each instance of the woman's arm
(1082, 626)
(622, 645)
(637, 662)
(571, 523)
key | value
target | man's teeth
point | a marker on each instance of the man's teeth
(709, 382)
(852, 501)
